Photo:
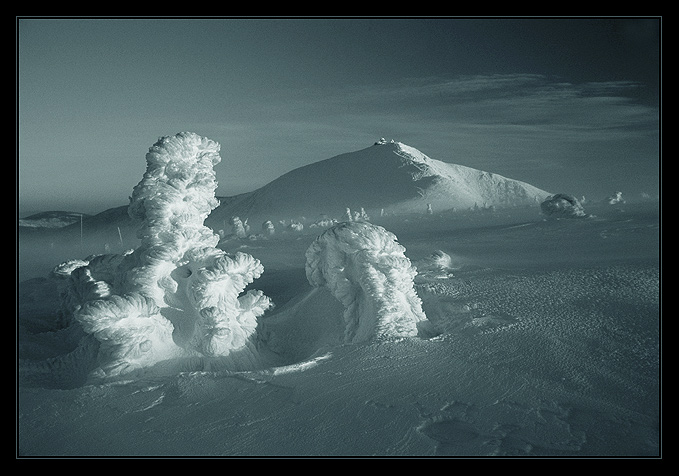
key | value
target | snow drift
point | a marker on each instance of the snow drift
(387, 177)
(365, 269)
(176, 294)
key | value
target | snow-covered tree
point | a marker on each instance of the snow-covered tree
(323, 222)
(176, 294)
(562, 205)
(438, 261)
(360, 215)
(268, 228)
(615, 199)
(295, 226)
(366, 269)
(347, 215)
(238, 227)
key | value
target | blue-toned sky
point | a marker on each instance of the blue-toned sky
(567, 104)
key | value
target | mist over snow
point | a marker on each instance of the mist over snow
(377, 303)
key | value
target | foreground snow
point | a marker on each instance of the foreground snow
(548, 344)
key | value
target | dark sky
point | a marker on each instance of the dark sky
(567, 104)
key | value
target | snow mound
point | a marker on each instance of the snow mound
(562, 205)
(176, 294)
(365, 269)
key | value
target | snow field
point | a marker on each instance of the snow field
(547, 359)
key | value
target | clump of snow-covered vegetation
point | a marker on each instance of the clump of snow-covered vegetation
(438, 265)
(366, 269)
(563, 205)
(615, 199)
(177, 294)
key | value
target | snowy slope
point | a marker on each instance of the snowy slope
(388, 176)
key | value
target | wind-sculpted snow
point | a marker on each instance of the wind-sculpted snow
(176, 294)
(365, 268)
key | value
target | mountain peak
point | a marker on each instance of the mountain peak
(388, 176)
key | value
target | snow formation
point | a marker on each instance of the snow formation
(562, 205)
(365, 268)
(176, 294)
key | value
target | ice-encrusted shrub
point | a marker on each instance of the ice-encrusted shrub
(438, 262)
(268, 228)
(295, 226)
(562, 205)
(176, 294)
(365, 268)
(239, 228)
(615, 199)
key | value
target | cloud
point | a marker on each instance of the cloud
(523, 99)
(536, 103)
(518, 125)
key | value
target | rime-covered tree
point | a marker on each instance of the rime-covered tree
(365, 268)
(176, 294)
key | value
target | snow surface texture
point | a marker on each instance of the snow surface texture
(366, 269)
(562, 205)
(176, 294)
